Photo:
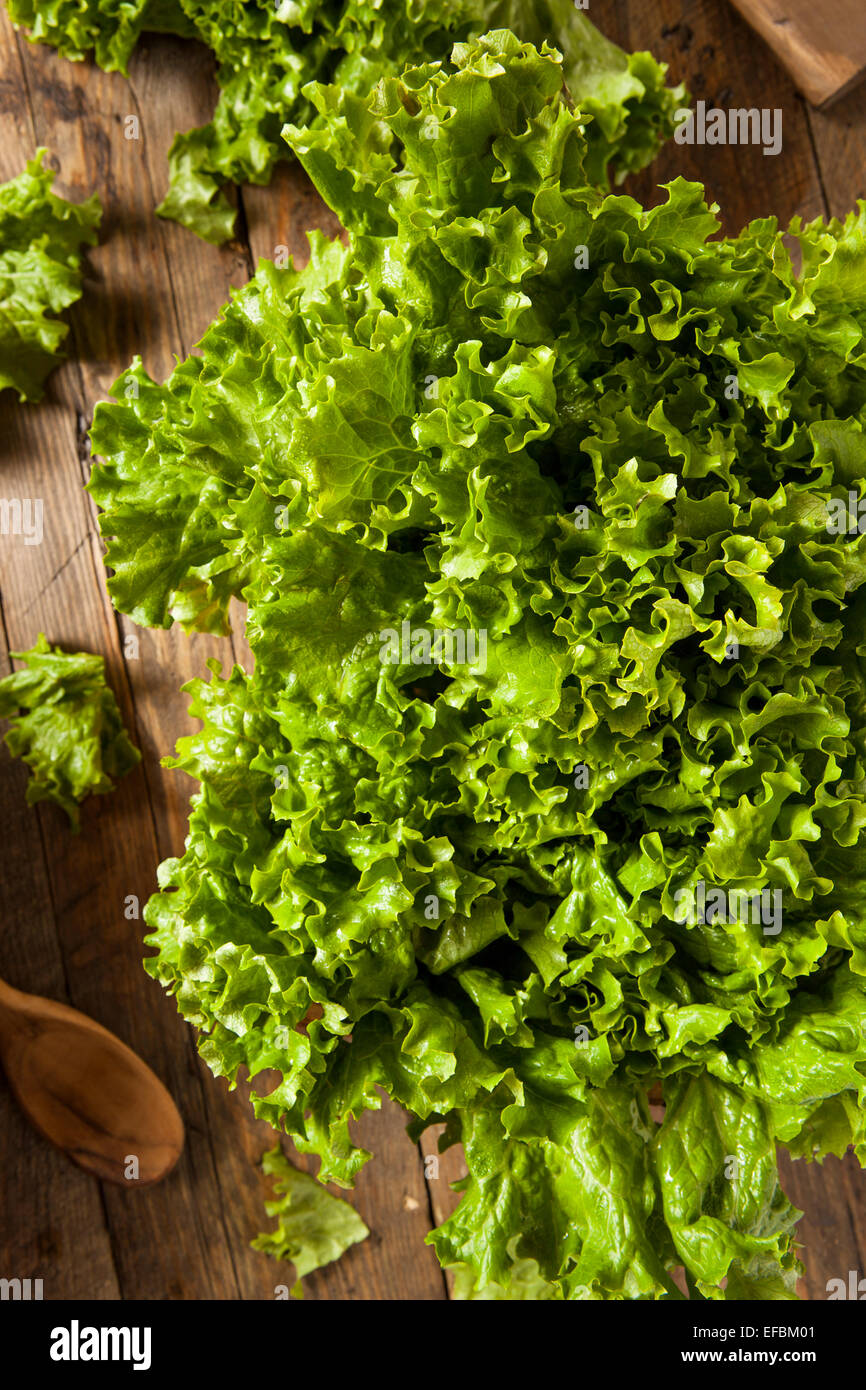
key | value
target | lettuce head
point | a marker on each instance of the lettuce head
(545, 797)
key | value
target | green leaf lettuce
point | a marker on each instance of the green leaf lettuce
(528, 492)
(41, 241)
(313, 1227)
(66, 726)
(267, 53)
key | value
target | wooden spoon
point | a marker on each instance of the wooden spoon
(87, 1092)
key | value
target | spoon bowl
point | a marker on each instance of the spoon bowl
(87, 1092)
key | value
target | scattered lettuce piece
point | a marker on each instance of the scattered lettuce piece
(66, 726)
(266, 54)
(313, 1226)
(608, 439)
(41, 237)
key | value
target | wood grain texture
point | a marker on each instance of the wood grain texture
(710, 48)
(839, 137)
(51, 1214)
(823, 46)
(153, 288)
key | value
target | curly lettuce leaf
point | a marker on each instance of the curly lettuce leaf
(267, 53)
(66, 726)
(41, 241)
(723, 1205)
(313, 1227)
(607, 441)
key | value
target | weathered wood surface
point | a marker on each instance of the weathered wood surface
(823, 47)
(152, 288)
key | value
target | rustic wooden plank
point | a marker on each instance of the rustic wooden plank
(278, 217)
(823, 47)
(832, 1232)
(91, 876)
(172, 88)
(442, 1171)
(192, 281)
(840, 146)
(58, 587)
(393, 1263)
(54, 1225)
(713, 50)
(392, 1198)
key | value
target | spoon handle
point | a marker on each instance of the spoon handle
(13, 1017)
(7, 993)
(20, 1014)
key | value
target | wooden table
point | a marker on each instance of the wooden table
(153, 288)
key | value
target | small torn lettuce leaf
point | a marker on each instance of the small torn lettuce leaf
(267, 52)
(313, 1227)
(41, 241)
(66, 725)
